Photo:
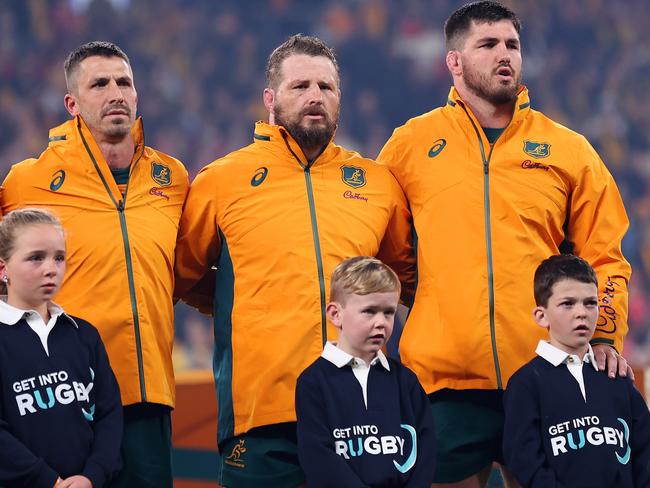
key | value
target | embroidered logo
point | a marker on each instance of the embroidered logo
(528, 164)
(353, 176)
(537, 149)
(158, 192)
(437, 148)
(161, 174)
(259, 176)
(234, 458)
(354, 196)
(57, 180)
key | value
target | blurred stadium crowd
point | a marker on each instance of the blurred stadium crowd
(199, 71)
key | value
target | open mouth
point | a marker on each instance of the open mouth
(505, 72)
(582, 329)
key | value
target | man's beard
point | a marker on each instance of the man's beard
(480, 85)
(312, 137)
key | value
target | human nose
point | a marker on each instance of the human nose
(503, 53)
(315, 95)
(50, 267)
(114, 92)
(580, 310)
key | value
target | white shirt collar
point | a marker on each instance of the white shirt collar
(340, 358)
(10, 315)
(557, 356)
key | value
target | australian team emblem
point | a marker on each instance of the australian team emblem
(353, 176)
(537, 149)
(161, 174)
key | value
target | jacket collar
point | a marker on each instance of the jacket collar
(279, 139)
(75, 134)
(522, 105)
(71, 129)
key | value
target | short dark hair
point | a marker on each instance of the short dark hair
(94, 48)
(296, 44)
(459, 23)
(557, 268)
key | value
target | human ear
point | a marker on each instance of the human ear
(539, 314)
(454, 64)
(71, 104)
(269, 99)
(333, 311)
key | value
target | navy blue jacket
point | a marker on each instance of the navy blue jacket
(553, 438)
(343, 444)
(60, 415)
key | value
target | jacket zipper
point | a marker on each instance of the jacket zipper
(488, 245)
(120, 206)
(315, 234)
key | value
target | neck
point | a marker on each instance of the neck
(312, 153)
(488, 114)
(117, 153)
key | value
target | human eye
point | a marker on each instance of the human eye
(592, 302)
(513, 45)
(60, 257)
(99, 83)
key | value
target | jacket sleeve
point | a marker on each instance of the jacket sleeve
(422, 473)
(399, 241)
(10, 194)
(322, 466)
(107, 424)
(197, 248)
(523, 450)
(597, 224)
(18, 465)
(640, 438)
(396, 248)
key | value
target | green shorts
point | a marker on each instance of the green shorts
(146, 448)
(262, 457)
(469, 432)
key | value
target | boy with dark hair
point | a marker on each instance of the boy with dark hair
(568, 425)
(363, 419)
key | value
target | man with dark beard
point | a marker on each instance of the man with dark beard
(495, 188)
(274, 218)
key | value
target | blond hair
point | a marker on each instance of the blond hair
(362, 275)
(11, 224)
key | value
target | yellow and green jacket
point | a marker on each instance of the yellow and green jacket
(274, 226)
(485, 217)
(120, 248)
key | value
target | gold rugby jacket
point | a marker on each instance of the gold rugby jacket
(120, 248)
(485, 217)
(275, 225)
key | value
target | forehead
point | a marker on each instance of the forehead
(571, 287)
(104, 67)
(389, 298)
(501, 29)
(305, 67)
(39, 234)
